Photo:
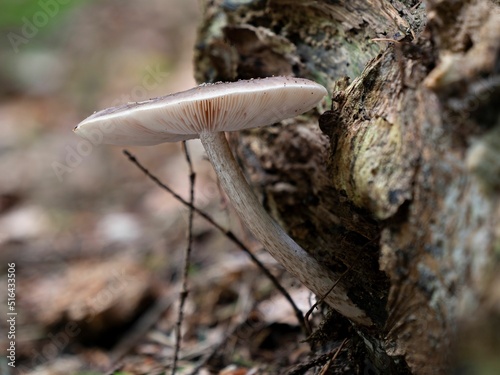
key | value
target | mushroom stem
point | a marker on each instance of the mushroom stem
(315, 276)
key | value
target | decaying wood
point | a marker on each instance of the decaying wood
(401, 180)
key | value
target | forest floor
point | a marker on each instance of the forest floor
(98, 247)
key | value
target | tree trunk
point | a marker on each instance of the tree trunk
(398, 188)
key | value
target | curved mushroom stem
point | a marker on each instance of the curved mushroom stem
(284, 249)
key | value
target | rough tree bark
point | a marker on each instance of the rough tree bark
(400, 182)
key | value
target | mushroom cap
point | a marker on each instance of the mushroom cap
(206, 108)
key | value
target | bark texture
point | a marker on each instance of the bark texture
(400, 182)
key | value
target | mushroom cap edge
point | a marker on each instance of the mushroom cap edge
(208, 107)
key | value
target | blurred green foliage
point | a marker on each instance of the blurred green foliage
(14, 13)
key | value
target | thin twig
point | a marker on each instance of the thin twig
(230, 235)
(316, 361)
(187, 262)
(329, 363)
(322, 298)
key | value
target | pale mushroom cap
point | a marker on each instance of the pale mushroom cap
(206, 108)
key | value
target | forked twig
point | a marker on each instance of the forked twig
(230, 235)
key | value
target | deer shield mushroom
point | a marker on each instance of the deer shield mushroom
(206, 112)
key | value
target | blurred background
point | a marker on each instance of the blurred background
(98, 248)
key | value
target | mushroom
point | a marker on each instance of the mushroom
(206, 112)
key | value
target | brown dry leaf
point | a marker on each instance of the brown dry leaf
(96, 293)
(278, 310)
